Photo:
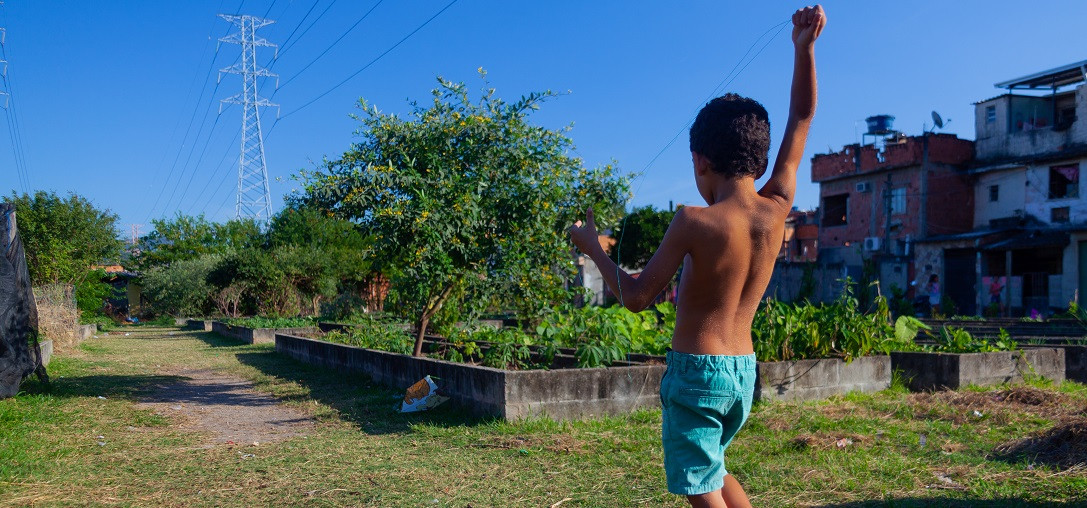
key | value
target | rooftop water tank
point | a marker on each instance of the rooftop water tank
(880, 124)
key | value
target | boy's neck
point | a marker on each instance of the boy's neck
(729, 189)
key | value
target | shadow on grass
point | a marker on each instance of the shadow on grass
(373, 408)
(911, 502)
(133, 387)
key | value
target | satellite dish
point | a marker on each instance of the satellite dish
(938, 120)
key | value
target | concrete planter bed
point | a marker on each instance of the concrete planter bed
(1075, 361)
(936, 371)
(255, 335)
(821, 377)
(198, 324)
(47, 351)
(564, 392)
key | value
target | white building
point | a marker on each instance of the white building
(1030, 215)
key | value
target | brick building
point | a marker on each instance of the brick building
(801, 241)
(1028, 247)
(876, 200)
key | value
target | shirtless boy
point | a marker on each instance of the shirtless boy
(728, 249)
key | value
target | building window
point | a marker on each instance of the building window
(994, 193)
(898, 201)
(1059, 214)
(1064, 181)
(990, 114)
(836, 210)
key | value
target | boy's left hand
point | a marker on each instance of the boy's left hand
(808, 23)
(584, 234)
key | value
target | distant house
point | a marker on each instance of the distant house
(801, 241)
(877, 200)
(1028, 246)
(129, 295)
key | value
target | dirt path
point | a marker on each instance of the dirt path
(228, 407)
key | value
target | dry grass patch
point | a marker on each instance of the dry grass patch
(1064, 446)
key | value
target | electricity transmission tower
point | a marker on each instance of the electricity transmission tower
(254, 198)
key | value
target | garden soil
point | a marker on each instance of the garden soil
(226, 407)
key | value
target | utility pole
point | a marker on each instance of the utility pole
(254, 197)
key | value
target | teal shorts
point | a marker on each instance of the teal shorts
(705, 401)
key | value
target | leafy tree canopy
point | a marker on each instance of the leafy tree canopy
(466, 197)
(187, 237)
(64, 237)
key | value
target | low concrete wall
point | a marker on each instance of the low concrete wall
(198, 324)
(1075, 361)
(935, 371)
(820, 378)
(47, 351)
(560, 394)
(180, 321)
(87, 331)
(256, 335)
(575, 393)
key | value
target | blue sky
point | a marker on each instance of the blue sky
(105, 91)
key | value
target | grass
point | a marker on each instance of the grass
(895, 447)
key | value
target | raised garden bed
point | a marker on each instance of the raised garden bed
(198, 324)
(564, 392)
(1075, 361)
(936, 371)
(47, 351)
(821, 378)
(255, 335)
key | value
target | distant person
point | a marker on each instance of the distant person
(728, 251)
(932, 289)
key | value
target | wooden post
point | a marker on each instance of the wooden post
(20, 354)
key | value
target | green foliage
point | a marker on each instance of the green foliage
(784, 331)
(63, 237)
(91, 292)
(465, 196)
(272, 322)
(375, 334)
(188, 237)
(639, 235)
(807, 282)
(951, 339)
(181, 288)
(907, 327)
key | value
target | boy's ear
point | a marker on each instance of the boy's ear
(702, 165)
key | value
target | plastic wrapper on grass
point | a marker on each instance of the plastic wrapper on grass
(422, 396)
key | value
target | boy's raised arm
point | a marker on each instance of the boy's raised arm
(808, 23)
(636, 293)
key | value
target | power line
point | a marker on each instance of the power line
(188, 128)
(12, 118)
(330, 46)
(364, 67)
(287, 47)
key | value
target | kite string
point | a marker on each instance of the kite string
(723, 84)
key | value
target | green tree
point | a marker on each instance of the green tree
(639, 235)
(64, 237)
(188, 237)
(466, 197)
(181, 288)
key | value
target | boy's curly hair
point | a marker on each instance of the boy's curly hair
(733, 132)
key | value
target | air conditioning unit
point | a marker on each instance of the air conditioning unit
(871, 243)
(864, 187)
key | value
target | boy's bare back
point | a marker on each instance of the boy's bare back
(733, 245)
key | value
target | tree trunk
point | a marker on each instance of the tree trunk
(429, 312)
(420, 333)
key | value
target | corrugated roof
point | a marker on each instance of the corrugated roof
(1055, 77)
